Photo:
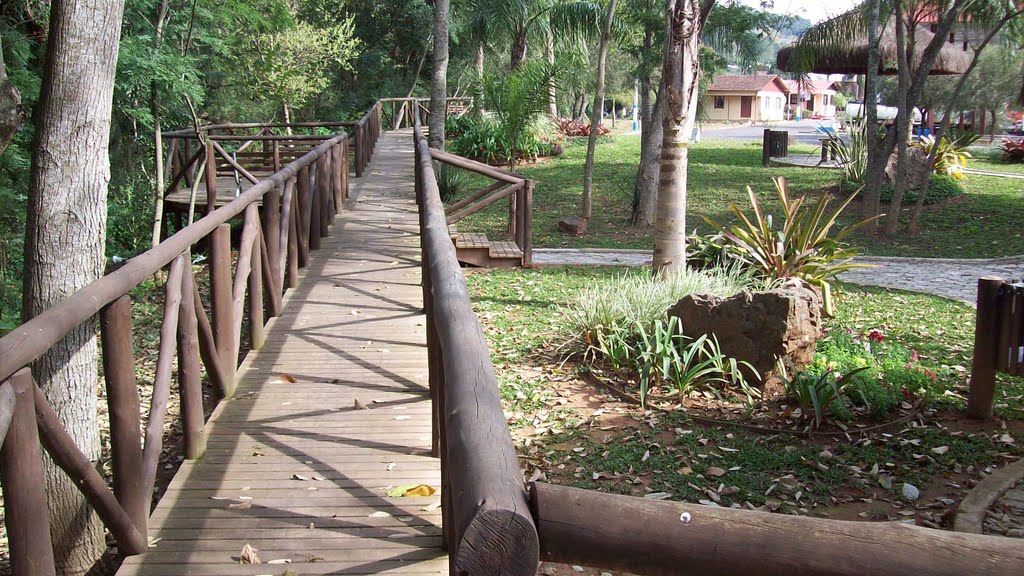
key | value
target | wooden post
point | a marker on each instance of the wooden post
(277, 156)
(257, 331)
(220, 289)
(123, 406)
(272, 233)
(273, 297)
(190, 383)
(316, 206)
(360, 158)
(286, 251)
(211, 178)
(527, 246)
(332, 211)
(660, 538)
(21, 474)
(336, 177)
(304, 212)
(293, 246)
(7, 402)
(208, 345)
(323, 184)
(982, 391)
(766, 143)
(344, 168)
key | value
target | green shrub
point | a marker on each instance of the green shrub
(940, 187)
(801, 248)
(639, 300)
(818, 394)
(450, 182)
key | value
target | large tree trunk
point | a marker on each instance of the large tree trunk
(11, 114)
(586, 208)
(439, 79)
(874, 174)
(647, 174)
(549, 53)
(66, 226)
(680, 78)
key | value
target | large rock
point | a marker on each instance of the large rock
(918, 166)
(757, 327)
(573, 225)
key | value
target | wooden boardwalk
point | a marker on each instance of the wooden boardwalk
(296, 467)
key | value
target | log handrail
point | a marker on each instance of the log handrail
(661, 538)
(487, 524)
(26, 418)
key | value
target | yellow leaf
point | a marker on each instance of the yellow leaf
(412, 490)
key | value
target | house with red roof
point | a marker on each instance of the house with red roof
(755, 98)
(816, 97)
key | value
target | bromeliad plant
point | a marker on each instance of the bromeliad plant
(817, 393)
(951, 156)
(801, 248)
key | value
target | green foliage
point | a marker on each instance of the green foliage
(951, 153)
(630, 301)
(1013, 150)
(802, 248)
(450, 182)
(818, 394)
(941, 187)
(516, 99)
(852, 155)
(840, 101)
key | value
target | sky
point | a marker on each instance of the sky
(813, 10)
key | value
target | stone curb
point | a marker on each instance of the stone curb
(971, 513)
(868, 259)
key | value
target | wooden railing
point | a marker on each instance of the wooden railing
(486, 520)
(284, 217)
(998, 341)
(517, 189)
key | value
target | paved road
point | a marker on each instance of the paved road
(953, 279)
(804, 131)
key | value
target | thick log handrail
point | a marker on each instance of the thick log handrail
(661, 538)
(487, 523)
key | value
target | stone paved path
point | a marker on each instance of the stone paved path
(948, 278)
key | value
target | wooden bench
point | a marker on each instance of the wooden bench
(998, 341)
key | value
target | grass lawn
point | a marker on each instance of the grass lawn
(985, 223)
(572, 432)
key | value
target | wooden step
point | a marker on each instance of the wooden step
(506, 249)
(472, 240)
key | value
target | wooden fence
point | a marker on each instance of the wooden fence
(998, 341)
(486, 520)
(284, 217)
(774, 144)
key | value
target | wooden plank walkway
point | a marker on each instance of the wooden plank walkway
(295, 468)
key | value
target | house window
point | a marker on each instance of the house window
(952, 37)
(826, 99)
(778, 103)
(719, 102)
(794, 99)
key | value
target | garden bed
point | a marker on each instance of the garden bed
(569, 430)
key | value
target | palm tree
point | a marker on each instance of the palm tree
(681, 77)
(596, 113)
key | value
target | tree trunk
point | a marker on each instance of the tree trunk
(439, 79)
(904, 111)
(64, 245)
(680, 77)
(478, 67)
(549, 53)
(647, 174)
(519, 44)
(586, 209)
(11, 114)
(158, 136)
(874, 174)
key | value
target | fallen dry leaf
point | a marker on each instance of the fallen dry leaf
(249, 555)
(714, 471)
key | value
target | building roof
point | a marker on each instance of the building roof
(755, 83)
(813, 87)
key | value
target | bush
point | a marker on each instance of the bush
(1013, 150)
(952, 156)
(636, 302)
(818, 394)
(574, 128)
(450, 182)
(455, 126)
(940, 187)
(801, 248)
(486, 141)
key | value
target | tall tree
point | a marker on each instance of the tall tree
(64, 251)
(681, 76)
(11, 114)
(596, 112)
(876, 159)
(439, 79)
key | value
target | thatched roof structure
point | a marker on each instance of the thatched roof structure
(853, 58)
